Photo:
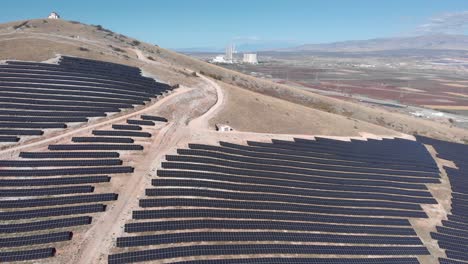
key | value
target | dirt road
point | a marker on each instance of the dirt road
(202, 122)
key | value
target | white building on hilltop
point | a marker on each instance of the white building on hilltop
(250, 58)
(54, 15)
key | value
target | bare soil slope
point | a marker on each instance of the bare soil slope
(254, 113)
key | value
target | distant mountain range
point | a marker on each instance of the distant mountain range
(426, 42)
(248, 46)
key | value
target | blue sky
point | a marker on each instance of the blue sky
(180, 24)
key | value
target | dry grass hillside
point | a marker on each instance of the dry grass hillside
(40, 39)
(253, 113)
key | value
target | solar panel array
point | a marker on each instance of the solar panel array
(38, 96)
(71, 192)
(45, 195)
(452, 236)
(322, 198)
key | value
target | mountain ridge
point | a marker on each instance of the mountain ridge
(428, 42)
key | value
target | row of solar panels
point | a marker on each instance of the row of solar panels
(312, 169)
(280, 153)
(251, 203)
(58, 201)
(201, 250)
(317, 164)
(284, 206)
(269, 216)
(81, 89)
(333, 178)
(247, 197)
(284, 180)
(452, 236)
(60, 163)
(235, 187)
(69, 92)
(288, 260)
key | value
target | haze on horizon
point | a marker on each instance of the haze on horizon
(261, 24)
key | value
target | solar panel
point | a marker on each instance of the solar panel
(173, 252)
(22, 255)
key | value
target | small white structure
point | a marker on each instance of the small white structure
(219, 59)
(54, 15)
(223, 128)
(250, 58)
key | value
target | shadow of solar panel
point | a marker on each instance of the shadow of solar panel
(45, 225)
(22, 255)
(35, 239)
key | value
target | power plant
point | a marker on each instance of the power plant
(228, 57)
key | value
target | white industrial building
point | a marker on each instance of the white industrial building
(250, 58)
(226, 58)
(53, 15)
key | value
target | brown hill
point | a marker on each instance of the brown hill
(288, 110)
